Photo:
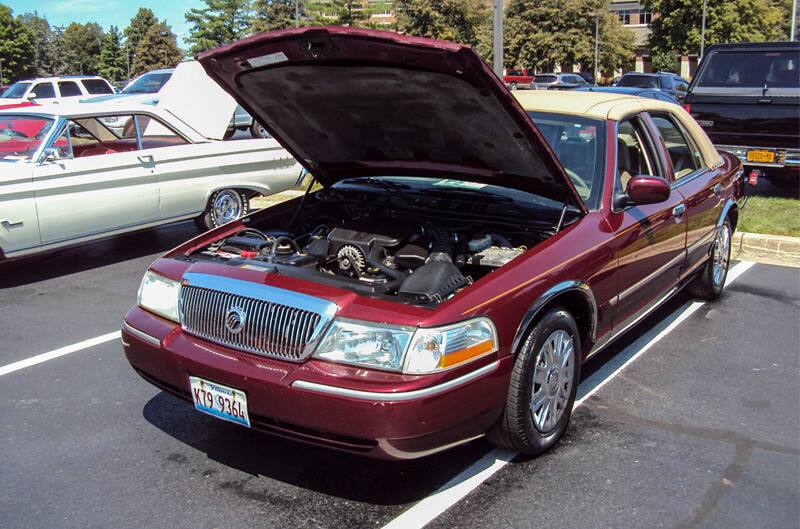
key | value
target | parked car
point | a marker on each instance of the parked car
(450, 278)
(670, 83)
(55, 89)
(66, 178)
(746, 97)
(145, 89)
(558, 81)
(651, 93)
(517, 78)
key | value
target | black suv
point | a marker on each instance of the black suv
(671, 83)
(747, 98)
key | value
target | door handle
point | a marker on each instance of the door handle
(678, 210)
(7, 224)
(718, 190)
(146, 158)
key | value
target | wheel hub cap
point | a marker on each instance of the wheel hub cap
(552, 380)
(721, 254)
(227, 207)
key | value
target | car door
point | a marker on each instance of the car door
(19, 227)
(650, 240)
(94, 183)
(699, 184)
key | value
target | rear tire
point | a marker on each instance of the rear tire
(711, 280)
(513, 86)
(228, 134)
(546, 374)
(258, 131)
(225, 205)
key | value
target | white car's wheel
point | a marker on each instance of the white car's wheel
(258, 131)
(224, 206)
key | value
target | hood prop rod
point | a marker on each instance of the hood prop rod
(303, 200)
(561, 218)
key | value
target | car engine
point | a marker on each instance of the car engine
(420, 262)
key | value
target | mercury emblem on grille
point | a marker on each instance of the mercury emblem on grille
(235, 320)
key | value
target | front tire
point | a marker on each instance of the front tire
(225, 205)
(513, 86)
(258, 131)
(711, 279)
(542, 388)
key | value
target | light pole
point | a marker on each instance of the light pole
(596, 44)
(1, 70)
(703, 29)
(296, 13)
(497, 44)
(793, 32)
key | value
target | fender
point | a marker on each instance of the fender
(725, 210)
(533, 311)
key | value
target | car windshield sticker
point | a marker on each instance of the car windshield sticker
(460, 184)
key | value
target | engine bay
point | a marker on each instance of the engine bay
(420, 257)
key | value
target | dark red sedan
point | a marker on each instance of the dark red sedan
(457, 266)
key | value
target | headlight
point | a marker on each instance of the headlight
(409, 350)
(159, 295)
(365, 344)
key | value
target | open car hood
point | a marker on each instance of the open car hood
(193, 97)
(351, 102)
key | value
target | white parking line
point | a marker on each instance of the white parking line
(44, 357)
(428, 509)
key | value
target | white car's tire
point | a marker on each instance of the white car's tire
(224, 206)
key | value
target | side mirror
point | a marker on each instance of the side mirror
(645, 189)
(50, 154)
(31, 95)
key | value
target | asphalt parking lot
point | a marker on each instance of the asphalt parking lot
(700, 429)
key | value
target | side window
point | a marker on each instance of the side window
(633, 155)
(155, 134)
(685, 157)
(76, 142)
(44, 91)
(69, 89)
(97, 86)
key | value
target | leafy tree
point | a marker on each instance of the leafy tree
(457, 20)
(543, 33)
(785, 8)
(112, 64)
(17, 48)
(269, 15)
(158, 48)
(140, 24)
(220, 22)
(677, 30)
(82, 47)
(55, 53)
(40, 30)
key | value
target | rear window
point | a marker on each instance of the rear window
(97, 86)
(641, 81)
(545, 79)
(751, 69)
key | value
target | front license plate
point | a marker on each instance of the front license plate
(220, 401)
(761, 156)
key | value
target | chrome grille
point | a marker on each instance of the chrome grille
(276, 323)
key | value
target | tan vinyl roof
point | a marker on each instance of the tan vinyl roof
(614, 107)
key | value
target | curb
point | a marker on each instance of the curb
(769, 249)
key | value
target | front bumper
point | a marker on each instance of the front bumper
(379, 414)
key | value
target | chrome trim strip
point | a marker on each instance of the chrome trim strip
(398, 396)
(152, 340)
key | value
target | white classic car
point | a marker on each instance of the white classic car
(70, 173)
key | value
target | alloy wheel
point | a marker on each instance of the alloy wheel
(552, 380)
(227, 207)
(721, 254)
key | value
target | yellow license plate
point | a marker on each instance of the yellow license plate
(761, 156)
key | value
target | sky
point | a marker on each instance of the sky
(62, 12)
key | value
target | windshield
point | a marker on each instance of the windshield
(751, 69)
(643, 81)
(16, 90)
(21, 136)
(580, 145)
(149, 83)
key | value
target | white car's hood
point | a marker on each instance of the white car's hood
(11, 101)
(193, 97)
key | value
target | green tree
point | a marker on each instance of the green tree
(82, 47)
(219, 23)
(461, 21)
(54, 52)
(140, 24)
(112, 64)
(17, 49)
(677, 30)
(40, 30)
(269, 15)
(158, 48)
(543, 33)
